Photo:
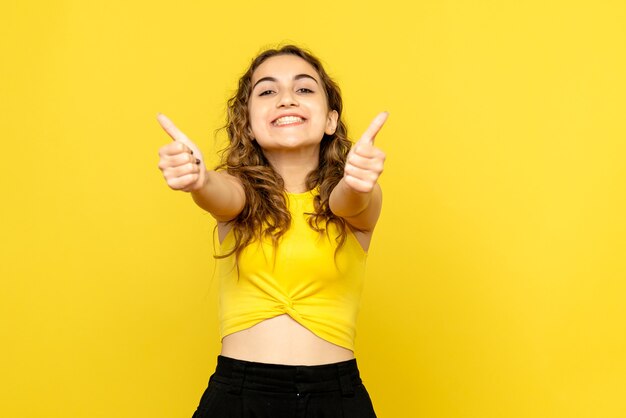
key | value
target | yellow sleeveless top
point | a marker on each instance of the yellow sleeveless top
(303, 279)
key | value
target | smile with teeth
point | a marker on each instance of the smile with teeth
(287, 120)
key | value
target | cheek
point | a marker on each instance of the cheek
(256, 121)
(257, 127)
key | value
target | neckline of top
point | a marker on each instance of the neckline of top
(300, 195)
(313, 191)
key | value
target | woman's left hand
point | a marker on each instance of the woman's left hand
(365, 162)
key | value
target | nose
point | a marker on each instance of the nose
(287, 99)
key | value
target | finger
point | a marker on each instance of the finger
(177, 135)
(177, 160)
(180, 171)
(362, 174)
(358, 184)
(367, 151)
(372, 164)
(198, 182)
(180, 183)
(171, 129)
(374, 128)
(174, 149)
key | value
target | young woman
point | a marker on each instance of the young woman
(296, 205)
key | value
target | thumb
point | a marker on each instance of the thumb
(376, 125)
(176, 134)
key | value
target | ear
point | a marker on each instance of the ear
(331, 122)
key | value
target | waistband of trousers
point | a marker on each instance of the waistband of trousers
(241, 374)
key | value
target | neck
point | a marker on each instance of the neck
(294, 166)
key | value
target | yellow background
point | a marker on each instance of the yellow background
(496, 283)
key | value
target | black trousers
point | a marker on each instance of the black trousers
(244, 389)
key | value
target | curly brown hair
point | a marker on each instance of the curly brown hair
(265, 213)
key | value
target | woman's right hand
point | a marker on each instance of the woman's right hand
(180, 161)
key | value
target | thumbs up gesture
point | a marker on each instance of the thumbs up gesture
(364, 163)
(180, 161)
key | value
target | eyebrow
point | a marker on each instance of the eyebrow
(297, 77)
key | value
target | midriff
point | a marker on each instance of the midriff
(282, 340)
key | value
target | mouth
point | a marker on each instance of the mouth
(288, 120)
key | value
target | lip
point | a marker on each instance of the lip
(289, 114)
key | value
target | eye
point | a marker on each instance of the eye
(266, 92)
(304, 90)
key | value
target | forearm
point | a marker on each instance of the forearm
(221, 195)
(347, 202)
(359, 209)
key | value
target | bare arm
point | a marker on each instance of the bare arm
(357, 197)
(360, 210)
(222, 195)
(182, 164)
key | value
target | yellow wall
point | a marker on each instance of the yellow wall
(496, 284)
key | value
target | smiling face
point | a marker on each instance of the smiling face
(288, 108)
